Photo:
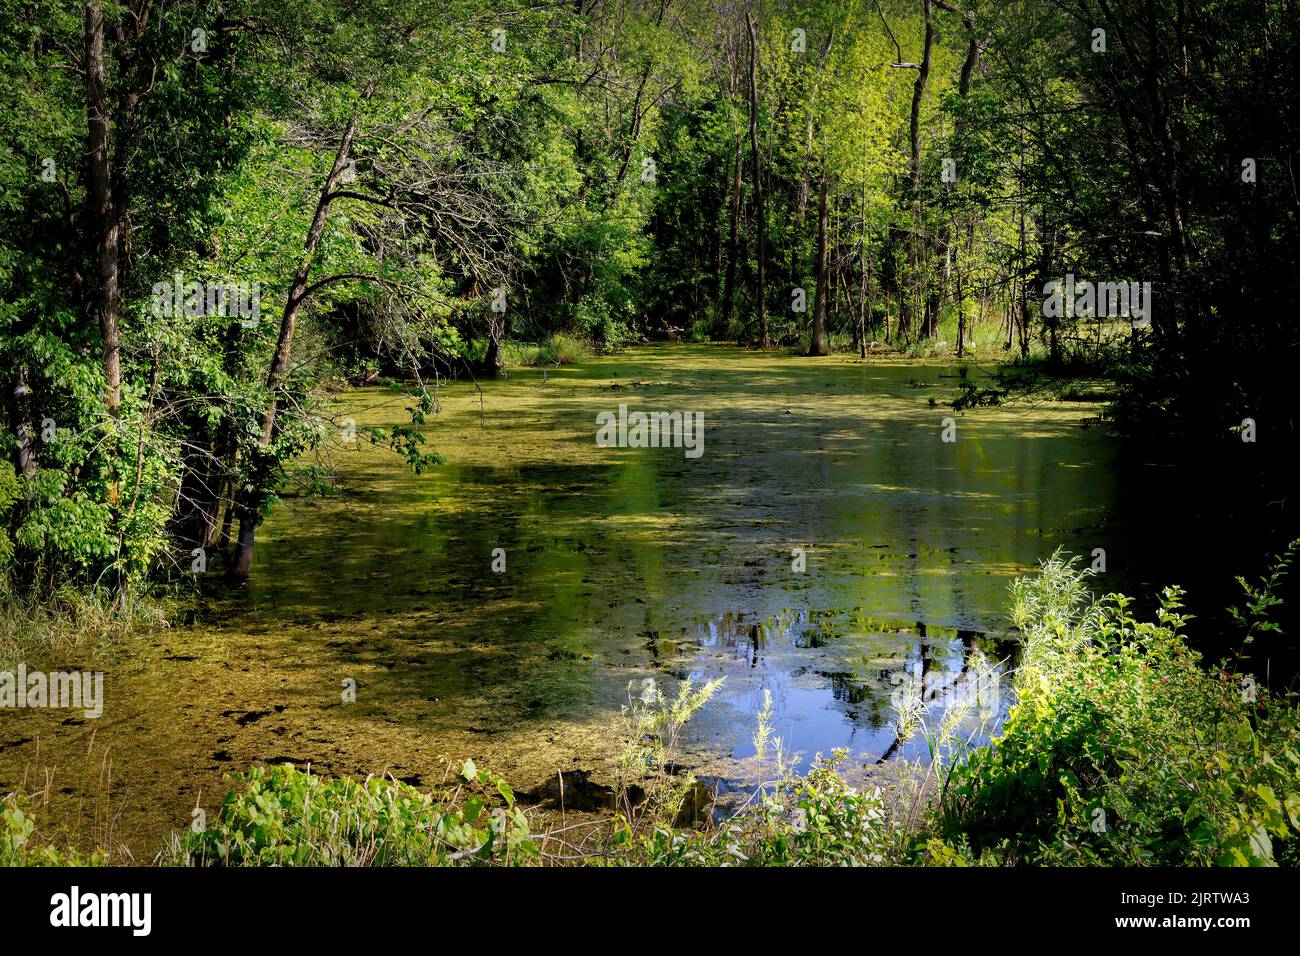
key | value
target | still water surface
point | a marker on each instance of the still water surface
(622, 564)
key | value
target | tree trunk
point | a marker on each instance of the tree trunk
(803, 190)
(1046, 258)
(918, 92)
(496, 332)
(733, 246)
(818, 344)
(760, 226)
(914, 131)
(942, 248)
(866, 304)
(228, 514)
(195, 518)
(28, 456)
(106, 300)
(961, 315)
(250, 500)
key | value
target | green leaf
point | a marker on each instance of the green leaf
(1270, 799)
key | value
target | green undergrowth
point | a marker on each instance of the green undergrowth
(23, 844)
(559, 348)
(73, 621)
(281, 816)
(1123, 748)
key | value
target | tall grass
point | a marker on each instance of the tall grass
(72, 621)
(558, 348)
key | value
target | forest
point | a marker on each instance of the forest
(312, 312)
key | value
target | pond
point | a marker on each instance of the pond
(827, 545)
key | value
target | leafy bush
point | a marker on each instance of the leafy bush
(1122, 749)
(8, 495)
(282, 816)
(19, 845)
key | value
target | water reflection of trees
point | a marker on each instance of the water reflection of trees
(942, 667)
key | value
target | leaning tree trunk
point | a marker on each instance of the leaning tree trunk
(250, 501)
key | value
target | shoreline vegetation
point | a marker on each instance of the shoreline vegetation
(1123, 748)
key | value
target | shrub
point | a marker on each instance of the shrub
(282, 816)
(1122, 749)
(8, 495)
(21, 845)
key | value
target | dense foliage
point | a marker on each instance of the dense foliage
(1123, 749)
(286, 817)
(414, 187)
